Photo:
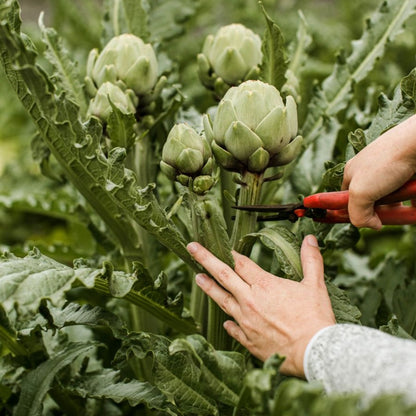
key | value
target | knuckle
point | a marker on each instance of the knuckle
(223, 275)
(226, 302)
(250, 305)
(240, 263)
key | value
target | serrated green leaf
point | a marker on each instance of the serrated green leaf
(109, 385)
(357, 140)
(75, 314)
(298, 49)
(120, 128)
(344, 311)
(274, 64)
(335, 93)
(342, 237)
(77, 30)
(333, 177)
(405, 309)
(286, 249)
(221, 372)
(66, 73)
(212, 230)
(393, 328)
(175, 373)
(29, 280)
(26, 281)
(259, 386)
(136, 18)
(102, 180)
(408, 85)
(38, 382)
(307, 171)
(298, 56)
(167, 18)
(390, 113)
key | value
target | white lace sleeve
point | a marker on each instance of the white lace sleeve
(349, 358)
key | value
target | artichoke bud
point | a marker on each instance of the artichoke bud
(230, 57)
(100, 105)
(254, 129)
(126, 61)
(202, 184)
(186, 156)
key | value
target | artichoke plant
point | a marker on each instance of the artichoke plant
(230, 57)
(254, 129)
(187, 158)
(100, 105)
(125, 61)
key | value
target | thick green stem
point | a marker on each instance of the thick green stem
(11, 343)
(246, 222)
(140, 161)
(210, 231)
(199, 300)
(227, 186)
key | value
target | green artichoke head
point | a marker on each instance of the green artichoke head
(253, 127)
(229, 57)
(126, 61)
(187, 158)
(100, 105)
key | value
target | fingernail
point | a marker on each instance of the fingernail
(311, 240)
(200, 279)
(192, 248)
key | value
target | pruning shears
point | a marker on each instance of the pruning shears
(331, 207)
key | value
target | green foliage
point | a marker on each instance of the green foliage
(104, 317)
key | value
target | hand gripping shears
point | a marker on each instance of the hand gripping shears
(332, 207)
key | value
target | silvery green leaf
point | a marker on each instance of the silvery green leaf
(274, 65)
(108, 384)
(27, 281)
(344, 310)
(221, 371)
(66, 72)
(102, 180)
(120, 128)
(38, 382)
(286, 249)
(175, 373)
(335, 93)
(390, 112)
(73, 314)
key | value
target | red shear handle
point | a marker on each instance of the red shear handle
(394, 215)
(339, 200)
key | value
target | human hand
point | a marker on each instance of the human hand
(272, 315)
(379, 169)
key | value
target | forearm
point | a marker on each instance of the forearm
(351, 358)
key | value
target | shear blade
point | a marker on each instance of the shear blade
(269, 208)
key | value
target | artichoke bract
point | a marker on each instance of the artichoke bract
(125, 61)
(254, 129)
(100, 105)
(230, 57)
(187, 158)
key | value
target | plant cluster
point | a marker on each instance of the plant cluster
(138, 149)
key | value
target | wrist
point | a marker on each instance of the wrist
(296, 364)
